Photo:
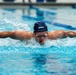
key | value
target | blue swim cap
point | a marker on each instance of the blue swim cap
(40, 27)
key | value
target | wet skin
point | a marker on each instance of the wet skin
(41, 37)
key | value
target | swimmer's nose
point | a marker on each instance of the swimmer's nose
(41, 37)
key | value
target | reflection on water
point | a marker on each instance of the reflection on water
(36, 64)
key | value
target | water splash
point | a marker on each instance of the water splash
(18, 26)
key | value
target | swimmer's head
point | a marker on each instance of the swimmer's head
(41, 32)
(40, 27)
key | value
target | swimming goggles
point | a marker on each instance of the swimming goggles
(43, 35)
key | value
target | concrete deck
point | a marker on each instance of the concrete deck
(37, 4)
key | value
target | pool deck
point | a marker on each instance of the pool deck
(38, 4)
(46, 4)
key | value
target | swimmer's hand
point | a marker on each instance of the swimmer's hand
(71, 33)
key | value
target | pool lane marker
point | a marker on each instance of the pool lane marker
(53, 13)
(49, 22)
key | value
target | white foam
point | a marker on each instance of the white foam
(18, 26)
(33, 44)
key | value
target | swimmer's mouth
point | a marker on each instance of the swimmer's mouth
(41, 42)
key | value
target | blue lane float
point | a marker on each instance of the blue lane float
(49, 22)
(64, 25)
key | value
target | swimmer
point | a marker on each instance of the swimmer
(40, 33)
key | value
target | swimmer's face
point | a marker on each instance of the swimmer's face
(41, 37)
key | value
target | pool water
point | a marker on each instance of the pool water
(55, 57)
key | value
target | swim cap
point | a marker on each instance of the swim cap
(40, 27)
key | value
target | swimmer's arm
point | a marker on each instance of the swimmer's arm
(70, 33)
(6, 34)
(19, 35)
(61, 34)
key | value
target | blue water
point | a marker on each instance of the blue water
(55, 57)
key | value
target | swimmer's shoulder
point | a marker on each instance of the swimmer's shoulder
(51, 35)
(55, 34)
(29, 34)
(22, 34)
